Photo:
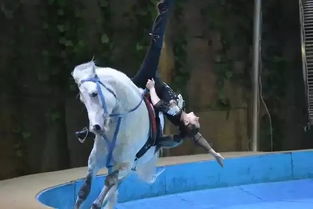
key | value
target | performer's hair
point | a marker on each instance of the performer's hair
(189, 130)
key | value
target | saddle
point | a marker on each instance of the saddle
(154, 128)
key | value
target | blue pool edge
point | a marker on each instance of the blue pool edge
(269, 167)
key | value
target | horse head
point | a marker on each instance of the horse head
(98, 98)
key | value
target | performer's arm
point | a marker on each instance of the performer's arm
(202, 142)
(170, 141)
(158, 104)
(153, 95)
(161, 105)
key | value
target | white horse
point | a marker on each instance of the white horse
(120, 120)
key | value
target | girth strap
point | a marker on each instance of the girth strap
(152, 130)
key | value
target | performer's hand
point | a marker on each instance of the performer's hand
(150, 84)
(219, 158)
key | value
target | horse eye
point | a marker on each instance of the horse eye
(94, 94)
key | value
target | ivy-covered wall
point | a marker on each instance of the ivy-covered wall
(282, 78)
(214, 43)
(206, 56)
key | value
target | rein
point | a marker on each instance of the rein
(111, 145)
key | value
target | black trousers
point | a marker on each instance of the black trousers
(149, 69)
(150, 64)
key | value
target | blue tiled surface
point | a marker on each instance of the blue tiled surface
(196, 176)
(295, 194)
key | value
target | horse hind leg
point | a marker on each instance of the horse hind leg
(147, 171)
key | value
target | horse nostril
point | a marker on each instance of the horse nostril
(96, 127)
(94, 94)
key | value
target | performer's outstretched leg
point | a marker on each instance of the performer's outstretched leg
(150, 63)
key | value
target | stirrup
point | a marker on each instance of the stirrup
(79, 133)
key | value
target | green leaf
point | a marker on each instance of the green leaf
(79, 47)
(45, 53)
(81, 43)
(19, 153)
(50, 2)
(78, 13)
(139, 47)
(103, 3)
(68, 43)
(16, 130)
(72, 87)
(26, 135)
(228, 74)
(60, 12)
(45, 26)
(55, 116)
(221, 94)
(61, 28)
(42, 76)
(104, 38)
(61, 3)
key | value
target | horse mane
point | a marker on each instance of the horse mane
(126, 91)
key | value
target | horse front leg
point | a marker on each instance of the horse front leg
(108, 191)
(112, 199)
(85, 189)
(92, 171)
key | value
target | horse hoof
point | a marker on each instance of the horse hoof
(77, 204)
(95, 206)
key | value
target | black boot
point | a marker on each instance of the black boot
(164, 5)
(160, 22)
(84, 134)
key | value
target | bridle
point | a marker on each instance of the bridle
(111, 144)
(97, 81)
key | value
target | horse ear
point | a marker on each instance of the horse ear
(93, 59)
(93, 66)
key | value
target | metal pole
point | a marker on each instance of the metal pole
(255, 81)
